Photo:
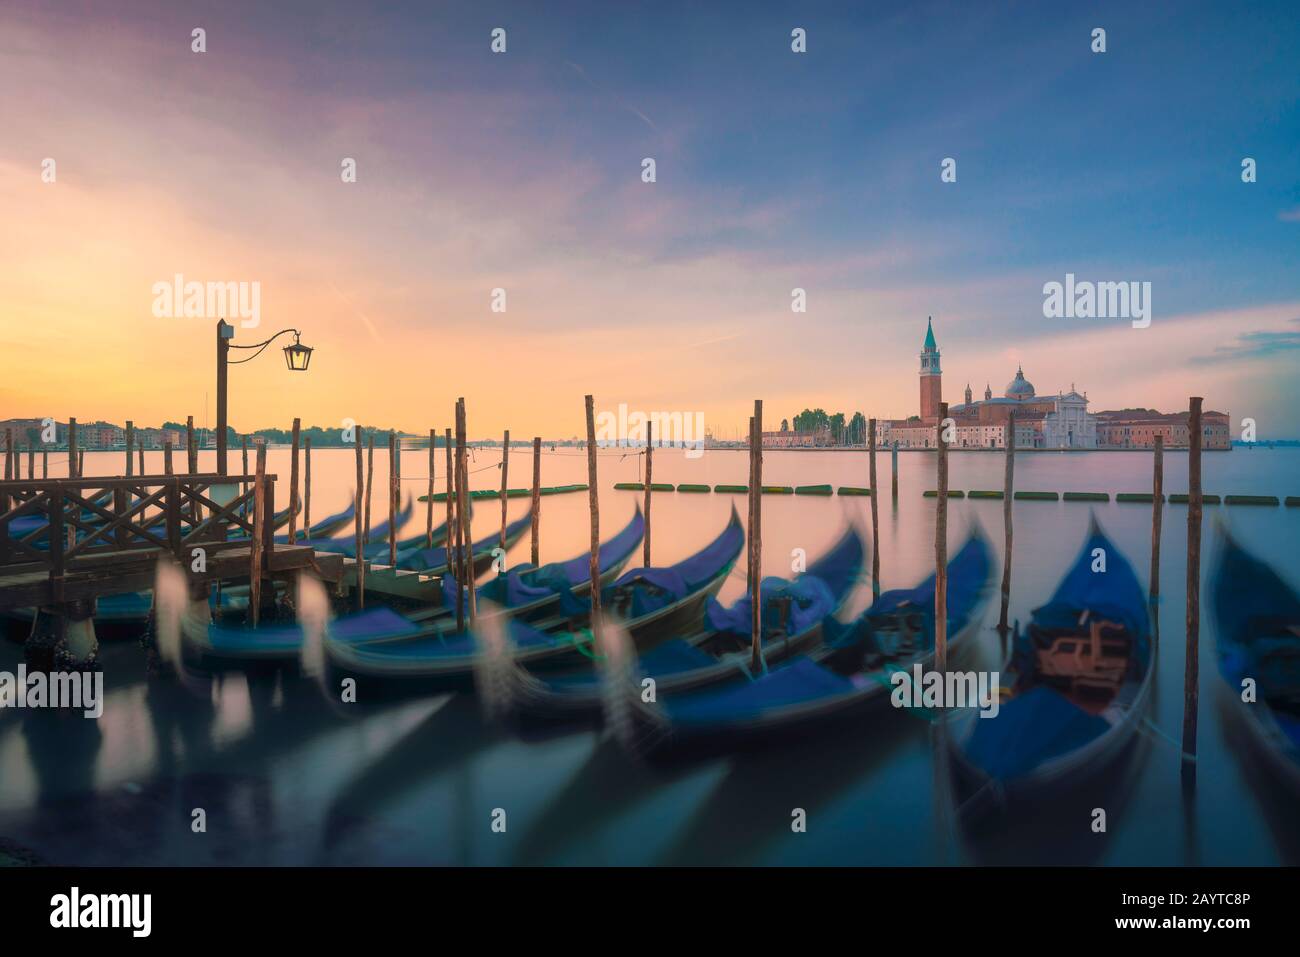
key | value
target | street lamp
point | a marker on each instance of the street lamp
(296, 356)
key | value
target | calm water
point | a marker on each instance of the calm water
(285, 778)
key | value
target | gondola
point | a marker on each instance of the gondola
(433, 561)
(326, 527)
(1073, 690)
(446, 659)
(219, 644)
(527, 591)
(657, 602)
(792, 619)
(346, 545)
(1257, 618)
(848, 675)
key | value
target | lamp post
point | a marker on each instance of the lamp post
(296, 356)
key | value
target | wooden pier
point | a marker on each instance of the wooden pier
(104, 536)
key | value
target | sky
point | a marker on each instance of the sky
(522, 171)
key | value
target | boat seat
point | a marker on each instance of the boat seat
(1091, 663)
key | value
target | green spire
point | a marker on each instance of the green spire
(929, 333)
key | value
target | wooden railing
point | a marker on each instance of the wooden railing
(85, 517)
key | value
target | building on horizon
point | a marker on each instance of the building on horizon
(1059, 421)
(1138, 428)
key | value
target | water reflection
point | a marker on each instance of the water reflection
(288, 775)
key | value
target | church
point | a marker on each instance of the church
(1059, 421)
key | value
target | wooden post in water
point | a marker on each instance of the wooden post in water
(450, 538)
(293, 480)
(306, 488)
(167, 456)
(1008, 494)
(428, 516)
(192, 462)
(505, 471)
(45, 463)
(593, 502)
(649, 463)
(453, 516)
(139, 444)
(537, 499)
(1157, 512)
(756, 547)
(370, 481)
(81, 462)
(244, 444)
(260, 518)
(72, 448)
(893, 464)
(31, 462)
(1192, 672)
(130, 449)
(749, 515)
(467, 542)
(875, 512)
(356, 526)
(941, 550)
(394, 492)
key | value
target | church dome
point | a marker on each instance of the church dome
(1020, 387)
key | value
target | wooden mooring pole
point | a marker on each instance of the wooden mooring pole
(130, 450)
(167, 456)
(875, 510)
(244, 444)
(756, 544)
(1008, 495)
(505, 472)
(293, 480)
(31, 462)
(72, 448)
(1157, 513)
(394, 492)
(1192, 672)
(45, 463)
(433, 467)
(356, 526)
(537, 499)
(306, 488)
(139, 445)
(749, 514)
(893, 465)
(467, 541)
(649, 468)
(192, 462)
(370, 481)
(450, 538)
(941, 549)
(260, 518)
(593, 501)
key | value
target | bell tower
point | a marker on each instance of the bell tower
(931, 376)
